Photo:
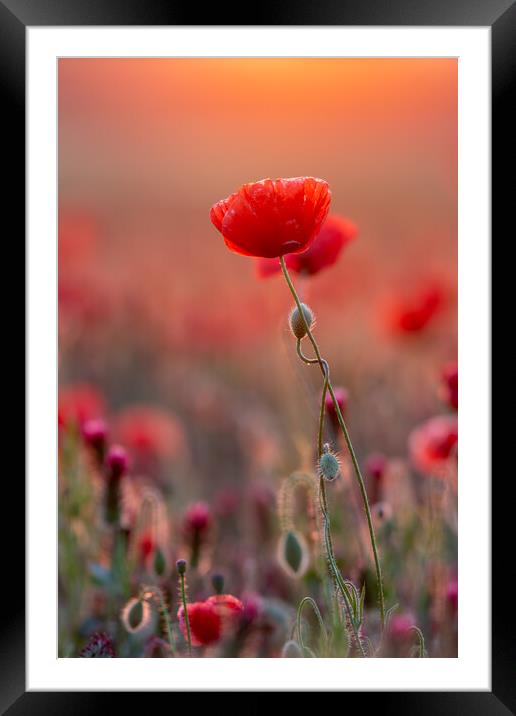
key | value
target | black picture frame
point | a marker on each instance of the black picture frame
(15, 17)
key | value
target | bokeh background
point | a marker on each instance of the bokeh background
(155, 311)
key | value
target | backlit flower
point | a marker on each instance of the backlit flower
(342, 397)
(412, 312)
(433, 445)
(150, 432)
(212, 619)
(78, 404)
(272, 217)
(450, 385)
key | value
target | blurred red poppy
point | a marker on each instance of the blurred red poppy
(450, 385)
(197, 518)
(272, 217)
(335, 234)
(79, 403)
(205, 623)
(211, 619)
(412, 312)
(433, 444)
(150, 432)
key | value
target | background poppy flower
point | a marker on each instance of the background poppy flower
(450, 385)
(80, 403)
(411, 313)
(272, 217)
(335, 234)
(433, 444)
(150, 432)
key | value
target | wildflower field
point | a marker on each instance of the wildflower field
(258, 387)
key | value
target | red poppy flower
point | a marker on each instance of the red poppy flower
(412, 312)
(150, 432)
(79, 403)
(205, 623)
(273, 217)
(267, 267)
(226, 605)
(433, 444)
(212, 619)
(335, 234)
(197, 518)
(342, 396)
(450, 385)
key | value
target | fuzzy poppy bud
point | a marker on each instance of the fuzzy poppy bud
(297, 324)
(181, 566)
(217, 581)
(291, 650)
(328, 465)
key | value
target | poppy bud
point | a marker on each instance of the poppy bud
(291, 650)
(297, 324)
(159, 562)
(181, 566)
(117, 461)
(293, 554)
(136, 615)
(94, 433)
(328, 465)
(217, 581)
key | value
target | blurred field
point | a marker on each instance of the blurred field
(154, 311)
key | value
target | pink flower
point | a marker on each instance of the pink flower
(450, 385)
(433, 444)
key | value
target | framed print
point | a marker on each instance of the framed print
(258, 259)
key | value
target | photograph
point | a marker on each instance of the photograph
(258, 421)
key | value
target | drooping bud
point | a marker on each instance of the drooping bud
(291, 650)
(329, 466)
(297, 324)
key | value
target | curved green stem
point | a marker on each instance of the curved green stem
(313, 604)
(328, 386)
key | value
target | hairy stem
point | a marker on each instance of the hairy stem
(328, 386)
(185, 611)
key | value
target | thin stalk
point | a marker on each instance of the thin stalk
(185, 611)
(323, 366)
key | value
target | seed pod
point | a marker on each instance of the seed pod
(329, 466)
(297, 325)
